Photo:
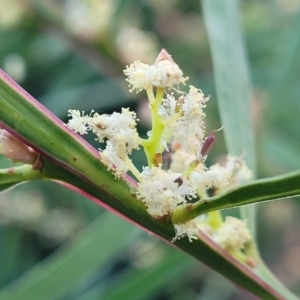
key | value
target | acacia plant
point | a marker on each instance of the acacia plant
(176, 196)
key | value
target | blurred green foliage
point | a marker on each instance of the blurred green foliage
(54, 244)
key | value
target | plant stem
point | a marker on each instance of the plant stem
(215, 219)
(153, 144)
(132, 168)
(19, 174)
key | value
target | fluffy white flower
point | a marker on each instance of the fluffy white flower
(217, 178)
(119, 129)
(194, 103)
(204, 179)
(180, 160)
(233, 234)
(113, 161)
(239, 170)
(165, 74)
(189, 129)
(235, 170)
(163, 191)
(169, 105)
(78, 121)
(188, 229)
(138, 77)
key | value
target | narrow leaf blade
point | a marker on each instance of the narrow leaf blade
(232, 83)
(59, 274)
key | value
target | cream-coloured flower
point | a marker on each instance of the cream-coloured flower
(118, 128)
(236, 172)
(233, 234)
(204, 179)
(113, 161)
(188, 229)
(178, 117)
(189, 129)
(78, 121)
(162, 191)
(137, 76)
(239, 170)
(180, 160)
(194, 103)
(164, 73)
(169, 106)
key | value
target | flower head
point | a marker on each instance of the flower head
(164, 73)
(204, 178)
(189, 129)
(235, 172)
(188, 229)
(180, 160)
(78, 121)
(162, 192)
(118, 128)
(138, 78)
(233, 234)
(113, 162)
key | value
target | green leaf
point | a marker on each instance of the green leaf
(60, 273)
(285, 72)
(278, 187)
(143, 282)
(280, 152)
(223, 25)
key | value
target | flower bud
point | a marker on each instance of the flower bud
(165, 73)
(15, 150)
(179, 181)
(207, 145)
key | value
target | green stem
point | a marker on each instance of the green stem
(172, 119)
(215, 219)
(150, 95)
(153, 144)
(191, 167)
(19, 174)
(132, 168)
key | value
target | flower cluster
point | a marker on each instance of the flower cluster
(163, 191)
(118, 130)
(233, 234)
(164, 73)
(176, 150)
